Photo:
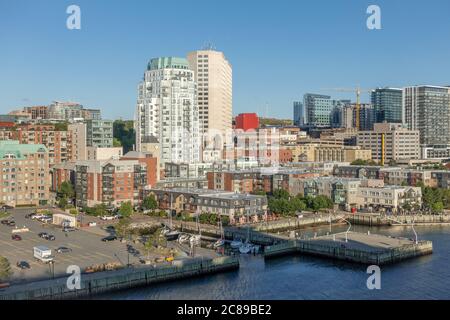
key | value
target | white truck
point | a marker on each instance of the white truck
(43, 254)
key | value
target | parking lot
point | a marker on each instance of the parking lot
(87, 248)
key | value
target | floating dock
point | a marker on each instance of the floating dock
(360, 248)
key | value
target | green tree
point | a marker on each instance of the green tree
(66, 190)
(5, 269)
(126, 209)
(281, 194)
(62, 203)
(149, 203)
(437, 207)
(124, 132)
(123, 227)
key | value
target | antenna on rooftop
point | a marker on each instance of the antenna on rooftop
(208, 46)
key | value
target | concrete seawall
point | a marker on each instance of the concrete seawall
(359, 254)
(93, 284)
(382, 220)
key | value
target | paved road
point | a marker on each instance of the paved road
(87, 248)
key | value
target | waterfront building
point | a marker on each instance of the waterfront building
(167, 110)
(390, 141)
(389, 198)
(239, 208)
(213, 75)
(25, 178)
(110, 182)
(387, 103)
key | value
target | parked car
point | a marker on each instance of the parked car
(68, 229)
(51, 237)
(16, 237)
(109, 238)
(23, 265)
(63, 250)
(106, 218)
(5, 222)
(37, 216)
(29, 216)
(43, 235)
(12, 223)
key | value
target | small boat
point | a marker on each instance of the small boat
(219, 243)
(183, 238)
(172, 235)
(246, 248)
(196, 239)
(236, 244)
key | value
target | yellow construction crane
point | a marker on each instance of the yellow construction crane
(358, 91)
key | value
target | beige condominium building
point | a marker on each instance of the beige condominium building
(390, 141)
(213, 75)
(25, 177)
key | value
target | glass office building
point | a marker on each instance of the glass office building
(387, 104)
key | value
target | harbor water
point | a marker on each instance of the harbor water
(306, 277)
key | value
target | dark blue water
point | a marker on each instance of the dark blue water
(304, 277)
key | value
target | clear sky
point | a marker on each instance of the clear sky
(279, 49)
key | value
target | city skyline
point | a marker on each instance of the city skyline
(99, 67)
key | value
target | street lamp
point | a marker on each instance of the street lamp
(416, 241)
(349, 227)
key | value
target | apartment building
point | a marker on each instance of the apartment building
(111, 182)
(167, 110)
(99, 133)
(24, 178)
(56, 139)
(214, 77)
(389, 198)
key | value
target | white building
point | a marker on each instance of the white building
(167, 110)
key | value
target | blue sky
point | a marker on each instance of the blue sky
(279, 49)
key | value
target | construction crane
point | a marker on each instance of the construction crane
(358, 91)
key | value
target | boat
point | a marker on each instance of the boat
(172, 235)
(196, 239)
(219, 243)
(236, 244)
(183, 238)
(246, 248)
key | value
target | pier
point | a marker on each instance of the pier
(354, 247)
(102, 282)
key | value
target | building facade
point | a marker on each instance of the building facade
(25, 177)
(427, 109)
(213, 75)
(99, 133)
(167, 110)
(387, 103)
(390, 141)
